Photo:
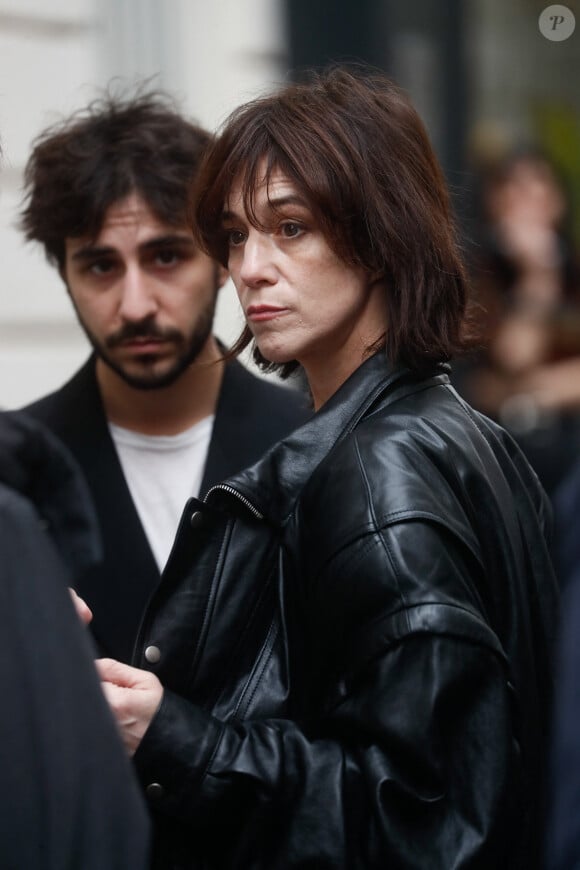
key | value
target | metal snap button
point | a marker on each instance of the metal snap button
(152, 654)
(196, 520)
(155, 791)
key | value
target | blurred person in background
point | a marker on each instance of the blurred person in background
(155, 415)
(353, 636)
(526, 276)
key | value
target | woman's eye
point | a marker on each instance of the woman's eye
(290, 230)
(236, 238)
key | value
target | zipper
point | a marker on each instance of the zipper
(238, 495)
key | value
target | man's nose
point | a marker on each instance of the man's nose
(137, 300)
(258, 265)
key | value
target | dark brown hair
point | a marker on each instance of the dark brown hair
(81, 166)
(358, 152)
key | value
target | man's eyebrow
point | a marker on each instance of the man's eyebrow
(181, 239)
(89, 251)
(276, 202)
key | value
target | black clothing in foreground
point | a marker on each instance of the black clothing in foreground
(252, 414)
(563, 828)
(355, 639)
(562, 847)
(69, 797)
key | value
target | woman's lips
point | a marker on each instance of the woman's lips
(259, 313)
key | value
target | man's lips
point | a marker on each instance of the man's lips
(257, 313)
(143, 344)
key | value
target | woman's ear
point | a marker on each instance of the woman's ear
(376, 277)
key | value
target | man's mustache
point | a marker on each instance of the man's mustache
(146, 329)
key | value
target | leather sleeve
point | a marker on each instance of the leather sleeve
(411, 759)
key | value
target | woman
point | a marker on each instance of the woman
(347, 662)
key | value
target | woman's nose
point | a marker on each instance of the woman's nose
(258, 265)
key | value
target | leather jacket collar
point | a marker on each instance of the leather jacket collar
(274, 483)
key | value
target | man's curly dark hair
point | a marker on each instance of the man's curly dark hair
(115, 146)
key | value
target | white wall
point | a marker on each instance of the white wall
(53, 58)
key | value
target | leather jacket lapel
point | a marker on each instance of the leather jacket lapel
(273, 484)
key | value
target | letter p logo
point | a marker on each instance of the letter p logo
(557, 23)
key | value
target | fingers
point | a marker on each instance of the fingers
(120, 674)
(83, 610)
(134, 697)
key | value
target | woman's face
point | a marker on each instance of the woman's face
(530, 193)
(300, 300)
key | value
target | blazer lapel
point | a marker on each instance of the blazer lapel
(119, 590)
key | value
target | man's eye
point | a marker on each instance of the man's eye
(236, 238)
(167, 258)
(101, 267)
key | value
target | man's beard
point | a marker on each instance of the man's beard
(187, 349)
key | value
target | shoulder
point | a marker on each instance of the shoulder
(386, 540)
(392, 465)
(16, 512)
(78, 390)
(24, 541)
(427, 458)
(39, 478)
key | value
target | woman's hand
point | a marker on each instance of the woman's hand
(83, 610)
(134, 697)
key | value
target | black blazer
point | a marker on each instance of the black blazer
(251, 415)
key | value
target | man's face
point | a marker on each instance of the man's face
(143, 293)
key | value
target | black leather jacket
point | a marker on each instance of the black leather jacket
(354, 635)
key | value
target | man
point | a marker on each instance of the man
(69, 798)
(155, 415)
(351, 646)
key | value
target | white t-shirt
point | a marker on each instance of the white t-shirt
(162, 472)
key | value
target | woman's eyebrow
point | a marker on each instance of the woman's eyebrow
(275, 202)
(290, 199)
